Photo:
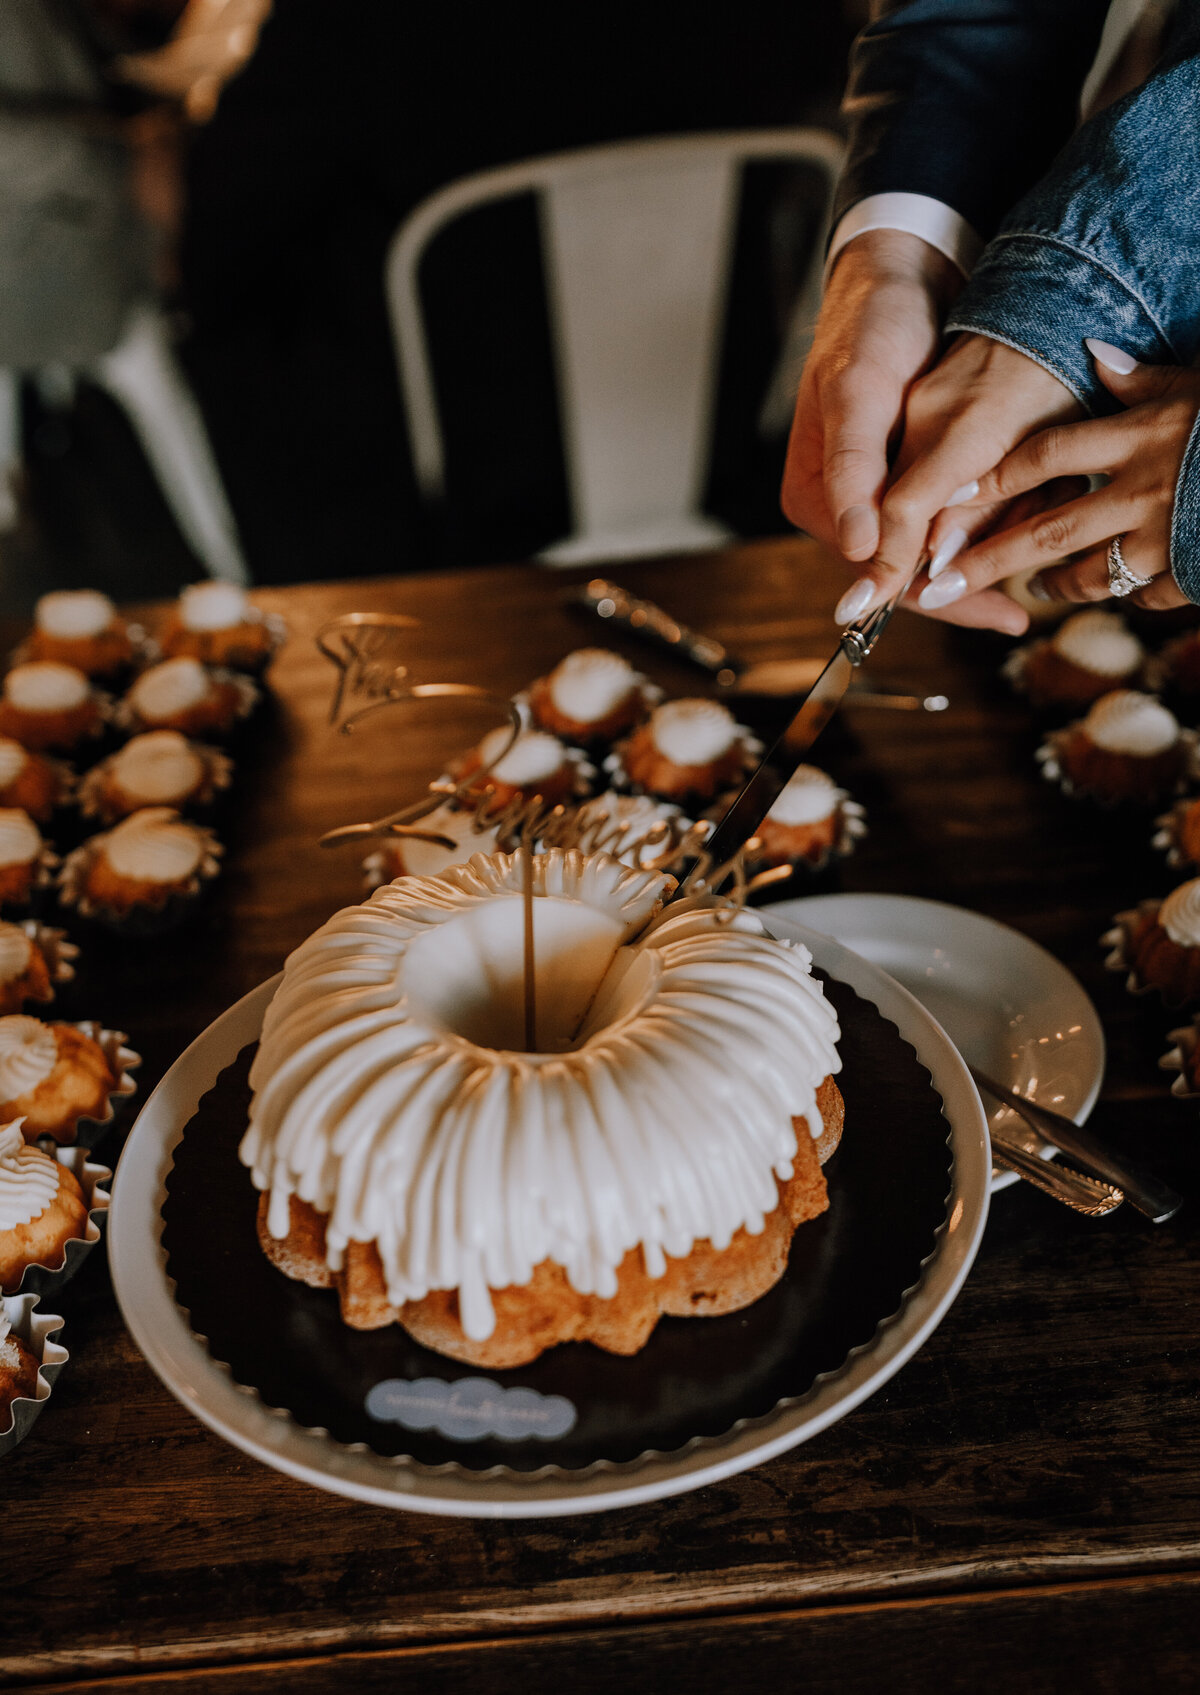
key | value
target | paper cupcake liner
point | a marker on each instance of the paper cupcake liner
(36, 1330)
(277, 630)
(651, 694)
(750, 749)
(1049, 757)
(122, 1061)
(1168, 836)
(247, 696)
(1116, 939)
(150, 918)
(145, 652)
(41, 1279)
(217, 775)
(46, 871)
(852, 828)
(57, 952)
(1179, 1059)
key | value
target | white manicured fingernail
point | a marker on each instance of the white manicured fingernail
(950, 549)
(1112, 358)
(961, 495)
(855, 601)
(1037, 590)
(951, 586)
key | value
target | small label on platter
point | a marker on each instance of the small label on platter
(471, 1409)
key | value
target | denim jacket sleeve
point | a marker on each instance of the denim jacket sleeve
(1108, 245)
(964, 101)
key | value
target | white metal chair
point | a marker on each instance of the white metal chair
(637, 241)
(144, 377)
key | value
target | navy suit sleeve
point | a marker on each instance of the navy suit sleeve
(966, 101)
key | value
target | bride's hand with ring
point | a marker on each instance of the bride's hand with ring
(1140, 450)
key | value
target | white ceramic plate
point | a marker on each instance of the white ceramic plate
(1008, 1006)
(208, 1391)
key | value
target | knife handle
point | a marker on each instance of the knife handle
(617, 606)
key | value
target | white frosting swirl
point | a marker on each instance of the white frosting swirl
(74, 614)
(1128, 722)
(427, 859)
(390, 1092)
(589, 684)
(693, 732)
(45, 686)
(16, 949)
(20, 840)
(28, 1178)
(1179, 914)
(28, 1054)
(1098, 641)
(533, 757)
(13, 760)
(634, 828)
(167, 689)
(154, 846)
(160, 765)
(212, 606)
(809, 797)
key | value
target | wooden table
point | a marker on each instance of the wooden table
(1018, 1509)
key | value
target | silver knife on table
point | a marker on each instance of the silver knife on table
(790, 746)
(621, 610)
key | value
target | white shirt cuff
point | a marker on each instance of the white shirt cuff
(916, 214)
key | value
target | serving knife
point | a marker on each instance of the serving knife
(771, 677)
(788, 749)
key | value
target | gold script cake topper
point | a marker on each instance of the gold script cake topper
(367, 650)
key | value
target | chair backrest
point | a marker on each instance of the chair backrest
(637, 240)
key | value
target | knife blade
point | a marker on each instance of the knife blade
(788, 749)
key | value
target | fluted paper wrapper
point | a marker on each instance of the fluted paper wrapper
(93, 1180)
(217, 775)
(37, 1330)
(156, 915)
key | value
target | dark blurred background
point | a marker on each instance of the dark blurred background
(272, 196)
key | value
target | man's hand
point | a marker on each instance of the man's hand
(878, 330)
(961, 419)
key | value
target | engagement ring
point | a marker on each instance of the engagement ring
(1121, 580)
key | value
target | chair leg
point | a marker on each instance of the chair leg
(143, 374)
(10, 448)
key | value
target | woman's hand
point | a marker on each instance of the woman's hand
(1140, 450)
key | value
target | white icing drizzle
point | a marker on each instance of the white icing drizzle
(212, 606)
(427, 859)
(28, 1054)
(1179, 914)
(20, 839)
(159, 765)
(74, 614)
(13, 760)
(28, 1178)
(45, 686)
(809, 797)
(1128, 722)
(16, 950)
(384, 1095)
(590, 683)
(1098, 641)
(154, 846)
(693, 732)
(533, 756)
(169, 688)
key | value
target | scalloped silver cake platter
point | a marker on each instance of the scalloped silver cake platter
(207, 1388)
